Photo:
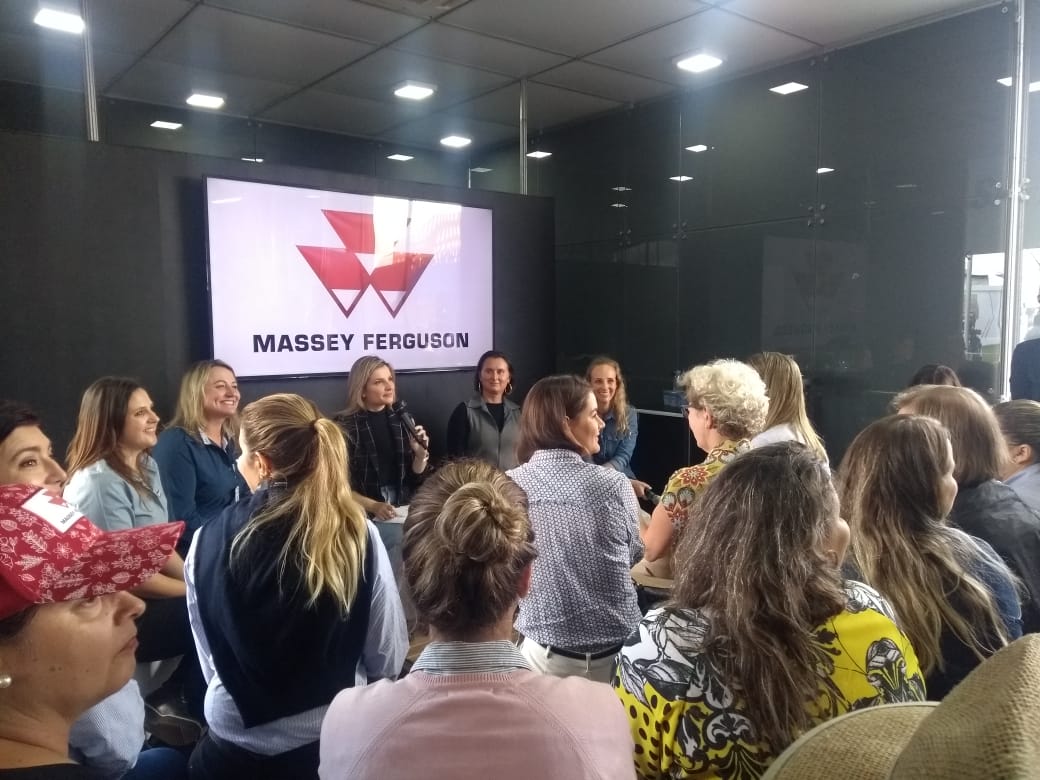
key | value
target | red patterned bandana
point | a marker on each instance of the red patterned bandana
(50, 552)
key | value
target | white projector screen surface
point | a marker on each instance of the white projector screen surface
(304, 282)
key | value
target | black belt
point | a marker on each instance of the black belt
(578, 655)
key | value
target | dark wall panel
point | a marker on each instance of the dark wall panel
(104, 259)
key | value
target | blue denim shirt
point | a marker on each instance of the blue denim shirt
(616, 450)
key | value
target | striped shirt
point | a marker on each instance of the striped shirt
(496, 657)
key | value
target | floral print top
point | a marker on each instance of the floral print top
(687, 483)
(688, 723)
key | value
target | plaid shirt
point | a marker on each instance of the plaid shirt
(364, 462)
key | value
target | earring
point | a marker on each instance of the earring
(5, 681)
(509, 388)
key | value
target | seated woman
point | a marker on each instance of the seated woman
(291, 599)
(196, 453)
(787, 419)
(107, 737)
(113, 479)
(487, 425)
(762, 639)
(727, 405)
(617, 440)
(984, 507)
(386, 464)
(582, 602)
(66, 642)
(1020, 424)
(955, 598)
(471, 699)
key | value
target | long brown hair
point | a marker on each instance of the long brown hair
(752, 560)
(619, 403)
(102, 414)
(979, 450)
(783, 381)
(467, 541)
(308, 452)
(889, 482)
(550, 401)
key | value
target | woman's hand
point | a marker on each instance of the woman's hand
(383, 511)
(421, 443)
(639, 487)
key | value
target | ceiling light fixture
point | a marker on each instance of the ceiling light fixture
(203, 100)
(619, 205)
(621, 188)
(60, 20)
(680, 178)
(400, 157)
(253, 159)
(1007, 81)
(161, 125)
(481, 170)
(906, 186)
(698, 63)
(788, 88)
(413, 90)
(697, 148)
(456, 141)
(825, 170)
(539, 155)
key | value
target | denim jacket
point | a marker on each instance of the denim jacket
(616, 450)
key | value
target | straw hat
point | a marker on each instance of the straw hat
(987, 727)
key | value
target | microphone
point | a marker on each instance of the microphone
(400, 409)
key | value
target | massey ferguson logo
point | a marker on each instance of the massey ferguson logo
(346, 273)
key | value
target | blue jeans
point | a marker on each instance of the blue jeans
(160, 763)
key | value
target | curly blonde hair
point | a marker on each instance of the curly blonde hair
(733, 392)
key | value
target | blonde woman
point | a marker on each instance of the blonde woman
(787, 419)
(386, 464)
(984, 507)
(472, 699)
(955, 598)
(196, 453)
(291, 599)
(726, 406)
(617, 440)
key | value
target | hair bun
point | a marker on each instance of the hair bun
(477, 524)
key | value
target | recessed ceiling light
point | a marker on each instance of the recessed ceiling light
(456, 141)
(680, 178)
(481, 170)
(621, 188)
(252, 159)
(788, 88)
(59, 20)
(413, 90)
(619, 205)
(539, 155)
(1007, 81)
(166, 125)
(825, 170)
(400, 157)
(698, 63)
(906, 186)
(202, 100)
(697, 148)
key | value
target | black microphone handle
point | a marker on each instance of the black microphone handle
(409, 425)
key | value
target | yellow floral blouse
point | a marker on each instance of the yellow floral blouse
(687, 723)
(687, 483)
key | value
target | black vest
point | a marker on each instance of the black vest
(275, 655)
